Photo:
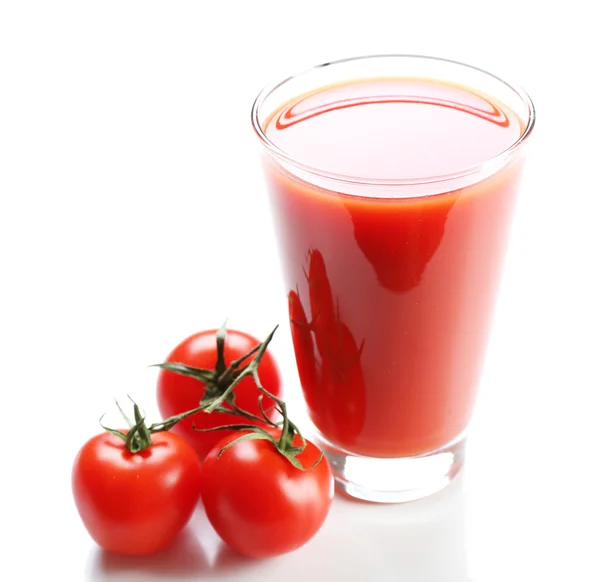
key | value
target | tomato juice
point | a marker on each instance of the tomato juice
(392, 239)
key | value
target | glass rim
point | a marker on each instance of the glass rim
(350, 179)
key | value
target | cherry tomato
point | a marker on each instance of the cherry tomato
(136, 503)
(177, 393)
(258, 502)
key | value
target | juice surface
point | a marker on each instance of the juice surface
(391, 298)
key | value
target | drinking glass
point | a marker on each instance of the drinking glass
(392, 252)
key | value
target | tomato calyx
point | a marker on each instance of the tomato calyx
(220, 383)
(219, 396)
(139, 435)
(281, 436)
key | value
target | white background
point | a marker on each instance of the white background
(133, 214)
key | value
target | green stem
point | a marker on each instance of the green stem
(226, 376)
(221, 367)
(138, 437)
(284, 439)
(220, 397)
(249, 370)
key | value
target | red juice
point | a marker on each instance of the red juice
(391, 294)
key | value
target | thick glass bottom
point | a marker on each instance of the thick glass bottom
(393, 480)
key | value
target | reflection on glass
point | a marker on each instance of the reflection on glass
(397, 244)
(328, 358)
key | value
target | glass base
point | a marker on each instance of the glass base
(394, 480)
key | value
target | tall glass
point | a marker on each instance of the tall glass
(392, 181)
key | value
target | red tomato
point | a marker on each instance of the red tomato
(177, 393)
(258, 502)
(136, 503)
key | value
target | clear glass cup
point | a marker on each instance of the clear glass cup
(392, 273)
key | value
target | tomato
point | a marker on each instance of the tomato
(258, 502)
(136, 503)
(177, 393)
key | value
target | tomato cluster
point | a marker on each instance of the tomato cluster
(266, 490)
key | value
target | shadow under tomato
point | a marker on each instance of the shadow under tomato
(196, 551)
(183, 558)
(219, 556)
